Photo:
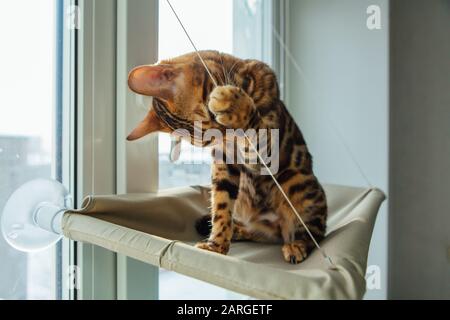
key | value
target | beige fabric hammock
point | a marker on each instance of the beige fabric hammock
(159, 229)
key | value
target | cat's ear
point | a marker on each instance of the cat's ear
(152, 80)
(151, 123)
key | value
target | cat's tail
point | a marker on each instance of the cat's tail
(203, 225)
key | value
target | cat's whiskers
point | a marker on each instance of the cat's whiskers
(223, 70)
(223, 77)
(230, 73)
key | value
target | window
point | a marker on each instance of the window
(28, 134)
(234, 27)
(193, 167)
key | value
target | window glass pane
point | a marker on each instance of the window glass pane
(193, 167)
(233, 27)
(251, 29)
(27, 83)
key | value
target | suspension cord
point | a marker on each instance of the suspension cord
(192, 43)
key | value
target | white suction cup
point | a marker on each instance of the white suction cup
(31, 219)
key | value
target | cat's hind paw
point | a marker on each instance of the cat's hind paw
(295, 252)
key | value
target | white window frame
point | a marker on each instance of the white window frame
(95, 162)
(279, 41)
(68, 139)
(137, 162)
(105, 111)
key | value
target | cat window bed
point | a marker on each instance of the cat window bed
(159, 229)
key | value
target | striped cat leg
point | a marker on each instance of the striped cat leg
(224, 192)
(294, 251)
(299, 246)
(308, 198)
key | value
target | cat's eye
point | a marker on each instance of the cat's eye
(246, 82)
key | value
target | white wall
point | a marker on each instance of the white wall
(420, 150)
(345, 78)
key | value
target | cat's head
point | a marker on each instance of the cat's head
(181, 87)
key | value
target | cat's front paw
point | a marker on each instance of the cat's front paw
(232, 107)
(213, 246)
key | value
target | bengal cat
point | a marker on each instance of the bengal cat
(246, 205)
